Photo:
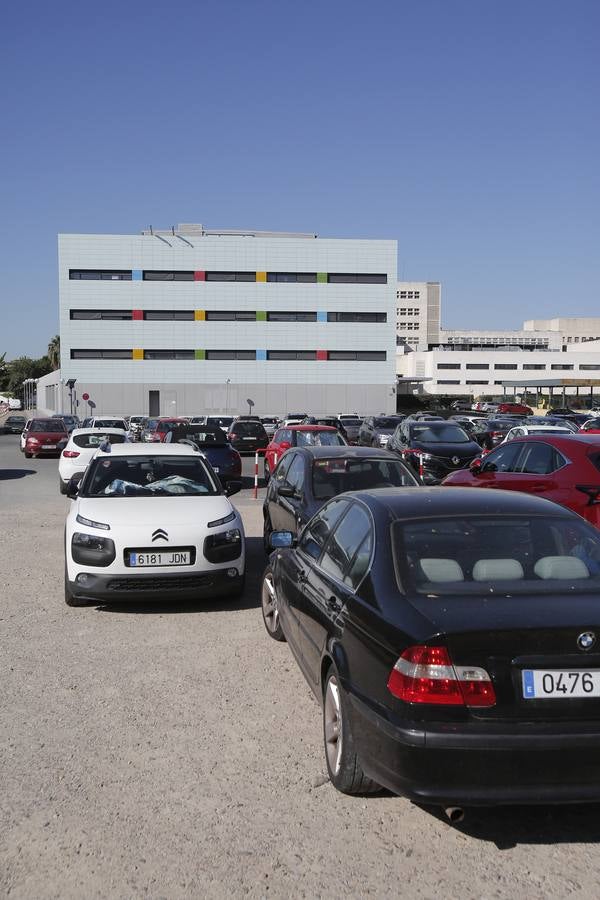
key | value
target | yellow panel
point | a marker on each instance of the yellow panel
(261, 276)
(137, 354)
(199, 315)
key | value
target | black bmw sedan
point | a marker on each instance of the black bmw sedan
(452, 640)
(434, 447)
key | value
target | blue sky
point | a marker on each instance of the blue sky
(466, 129)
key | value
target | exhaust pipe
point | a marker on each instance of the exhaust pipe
(454, 814)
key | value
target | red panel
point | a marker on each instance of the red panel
(322, 354)
(138, 314)
(199, 276)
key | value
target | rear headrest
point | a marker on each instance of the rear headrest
(563, 567)
(438, 570)
(497, 570)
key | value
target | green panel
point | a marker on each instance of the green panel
(200, 354)
(261, 315)
(321, 277)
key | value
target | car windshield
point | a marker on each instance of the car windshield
(48, 426)
(109, 423)
(136, 419)
(253, 429)
(68, 420)
(497, 555)
(89, 441)
(201, 435)
(15, 420)
(319, 439)
(219, 421)
(385, 422)
(147, 476)
(331, 477)
(434, 433)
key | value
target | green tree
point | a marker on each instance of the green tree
(54, 352)
(22, 368)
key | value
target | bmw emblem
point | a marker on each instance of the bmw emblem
(456, 460)
(586, 640)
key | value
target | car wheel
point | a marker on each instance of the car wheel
(63, 488)
(345, 771)
(270, 607)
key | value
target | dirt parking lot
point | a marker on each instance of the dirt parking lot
(175, 751)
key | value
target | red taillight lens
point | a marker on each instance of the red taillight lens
(427, 675)
(70, 454)
(230, 435)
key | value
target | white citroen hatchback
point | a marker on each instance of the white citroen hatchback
(151, 521)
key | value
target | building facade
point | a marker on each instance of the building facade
(418, 305)
(194, 320)
(568, 329)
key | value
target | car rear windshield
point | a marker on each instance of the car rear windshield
(49, 426)
(442, 433)
(386, 422)
(331, 477)
(147, 476)
(499, 555)
(319, 439)
(219, 421)
(110, 423)
(250, 429)
(201, 435)
(89, 441)
(15, 420)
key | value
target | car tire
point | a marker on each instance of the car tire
(343, 764)
(27, 455)
(63, 488)
(267, 531)
(269, 606)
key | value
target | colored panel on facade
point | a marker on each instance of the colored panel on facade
(321, 316)
(199, 354)
(199, 276)
(261, 276)
(261, 315)
(199, 315)
(261, 354)
(136, 353)
(137, 314)
(321, 277)
(136, 275)
(322, 354)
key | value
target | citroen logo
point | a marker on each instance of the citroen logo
(160, 535)
(586, 640)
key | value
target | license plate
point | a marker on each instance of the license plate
(247, 439)
(164, 558)
(48, 446)
(559, 684)
(216, 469)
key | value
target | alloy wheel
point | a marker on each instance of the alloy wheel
(269, 604)
(333, 725)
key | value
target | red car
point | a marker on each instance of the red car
(562, 468)
(157, 429)
(44, 437)
(299, 436)
(592, 426)
(519, 409)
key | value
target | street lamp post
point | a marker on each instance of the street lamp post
(227, 383)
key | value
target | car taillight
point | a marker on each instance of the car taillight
(230, 435)
(592, 491)
(427, 675)
(496, 433)
(70, 454)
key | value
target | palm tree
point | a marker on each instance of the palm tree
(54, 352)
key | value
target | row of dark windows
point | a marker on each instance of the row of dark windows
(512, 366)
(187, 315)
(280, 277)
(332, 355)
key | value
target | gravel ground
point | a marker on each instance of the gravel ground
(175, 751)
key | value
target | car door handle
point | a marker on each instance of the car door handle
(333, 603)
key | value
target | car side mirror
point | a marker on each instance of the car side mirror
(232, 487)
(475, 466)
(73, 485)
(287, 490)
(281, 540)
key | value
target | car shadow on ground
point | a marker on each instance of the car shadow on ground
(508, 826)
(10, 474)
(256, 561)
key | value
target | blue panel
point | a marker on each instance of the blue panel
(136, 275)
(321, 316)
(261, 354)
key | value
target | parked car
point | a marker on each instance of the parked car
(219, 421)
(80, 448)
(436, 448)
(520, 409)
(376, 431)
(551, 420)
(494, 432)
(306, 477)
(156, 430)
(330, 421)
(13, 425)
(152, 521)
(450, 641)
(299, 436)
(563, 468)
(105, 422)
(43, 437)
(136, 425)
(247, 435)
(351, 427)
(70, 421)
(526, 430)
(213, 444)
(561, 411)
(592, 426)
(270, 424)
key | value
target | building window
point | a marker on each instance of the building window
(110, 315)
(475, 381)
(284, 316)
(100, 354)
(360, 355)
(349, 278)
(293, 277)
(448, 365)
(586, 368)
(100, 274)
(169, 315)
(505, 366)
(231, 276)
(291, 354)
(169, 354)
(478, 366)
(168, 276)
(531, 366)
(447, 381)
(560, 367)
(356, 317)
(223, 315)
(231, 354)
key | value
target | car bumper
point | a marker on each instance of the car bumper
(479, 764)
(161, 586)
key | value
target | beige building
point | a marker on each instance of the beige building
(418, 306)
(571, 329)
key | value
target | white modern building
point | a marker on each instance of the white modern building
(194, 320)
(568, 329)
(418, 305)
